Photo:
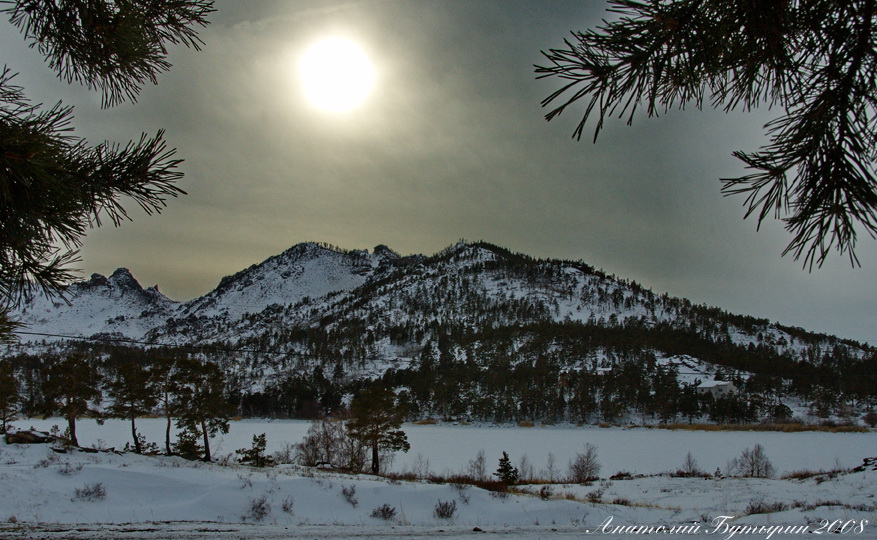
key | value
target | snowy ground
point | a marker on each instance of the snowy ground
(166, 497)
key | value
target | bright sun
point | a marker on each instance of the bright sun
(336, 74)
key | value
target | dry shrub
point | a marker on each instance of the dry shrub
(349, 494)
(384, 511)
(259, 509)
(90, 492)
(445, 509)
(584, 467)
(752, 463)
(327, 442)
(477, 468)
(761, 507)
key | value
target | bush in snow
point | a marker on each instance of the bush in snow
(761, 507)
(328, 442)
(91, 492)
(188, 445)
(69, 469)
(445, 509)
(689, 468)
(595, 496)
(288, 504)
(349, 494)
(286, 454)
(526, 470)
(752, 462)
(246, 481)
(259, 509)
(148, 448)
(384, 511)
(584, 467)
(478, 467)
(50, 459)
(551, 468)
(545, 493)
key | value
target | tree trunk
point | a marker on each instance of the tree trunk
(206, 441)
(376, 461)
(167, 431)
(137, 448)
(71, 427)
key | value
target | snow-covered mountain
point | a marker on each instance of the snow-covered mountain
(304, 270)
(117, 305)
(365, 312)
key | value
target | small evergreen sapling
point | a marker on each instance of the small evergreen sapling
(507, 473)
(255, 455)
(188, 445)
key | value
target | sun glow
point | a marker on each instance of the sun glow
(336, 75)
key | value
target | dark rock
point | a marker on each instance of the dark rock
(28, 437)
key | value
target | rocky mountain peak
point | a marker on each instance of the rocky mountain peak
(383, 251)
(123, 277)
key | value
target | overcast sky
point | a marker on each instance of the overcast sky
(451, 143)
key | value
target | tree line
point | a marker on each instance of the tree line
(186, 391)
(193, 394)
(541, 372)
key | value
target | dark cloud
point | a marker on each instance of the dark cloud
(451, 145)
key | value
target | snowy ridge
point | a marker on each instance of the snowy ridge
(117, 305)
(377, 310)
(305, 270)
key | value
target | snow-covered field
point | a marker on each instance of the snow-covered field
(166, 497)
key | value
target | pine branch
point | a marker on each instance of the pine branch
(115, 47)
(816, 59)
(53, 186)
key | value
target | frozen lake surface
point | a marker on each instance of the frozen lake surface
(448, 448)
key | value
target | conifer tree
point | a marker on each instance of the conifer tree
(375, 422)
(202, 407)
(255, 455)
(69, 387)
(9, 395)
(133, 394)
(506, 472)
